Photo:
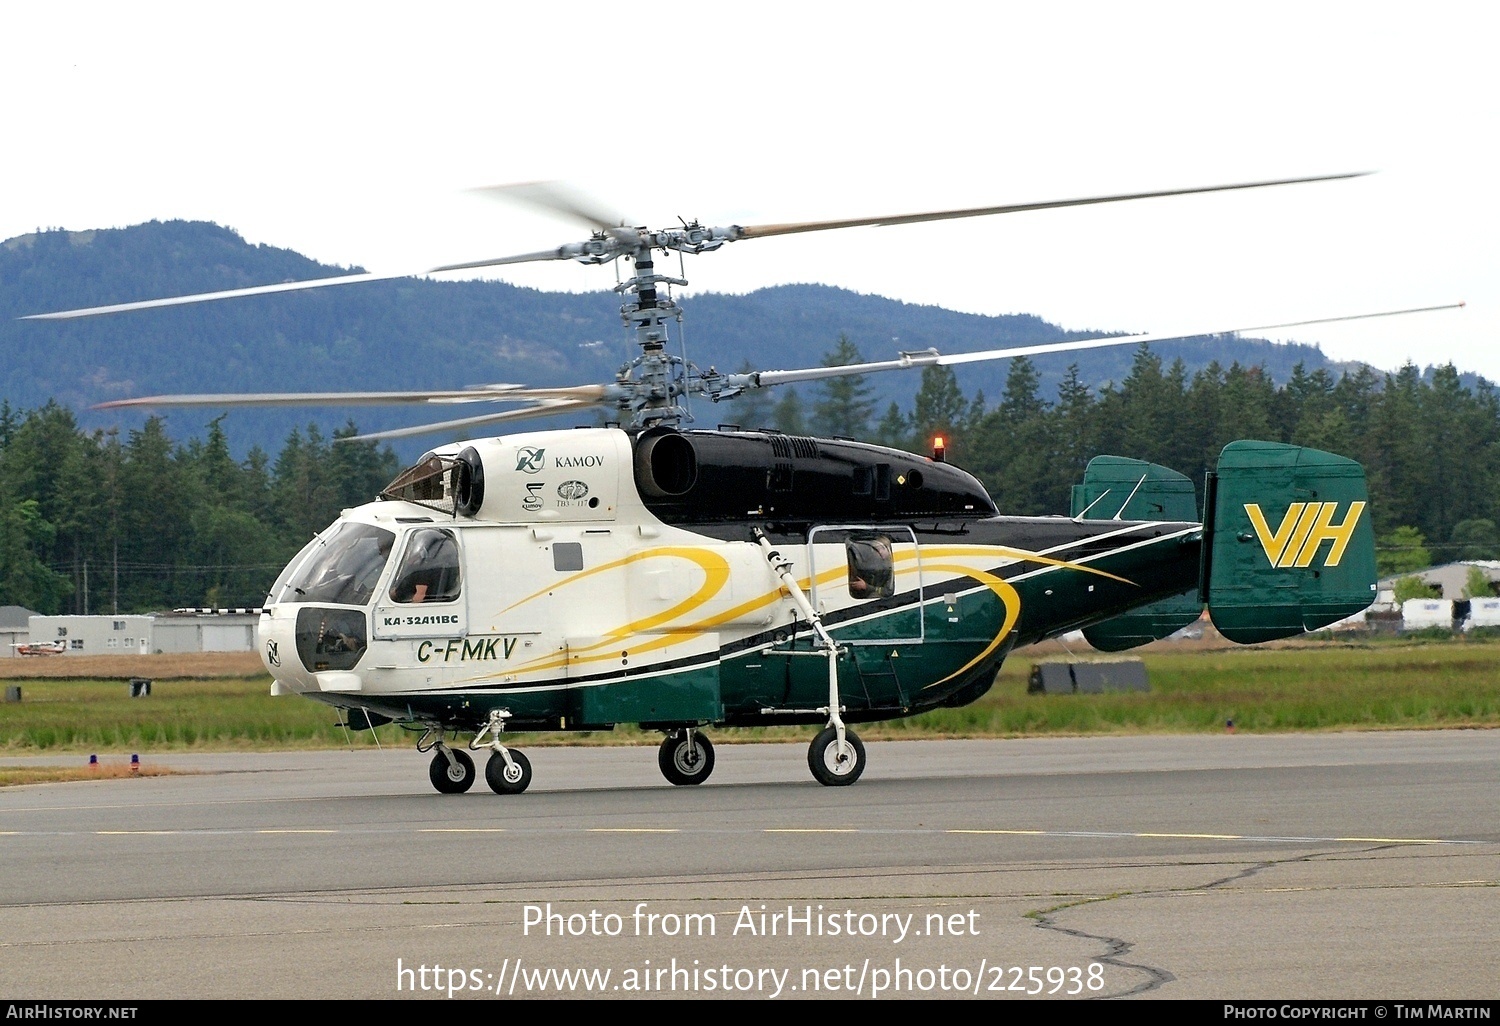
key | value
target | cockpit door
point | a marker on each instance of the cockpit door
(424, 595)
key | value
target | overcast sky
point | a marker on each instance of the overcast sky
(349, 132)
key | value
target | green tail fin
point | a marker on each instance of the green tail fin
(1116, 487)
(1288, 546)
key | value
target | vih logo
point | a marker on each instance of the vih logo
(1306, 526)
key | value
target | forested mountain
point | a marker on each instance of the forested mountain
(429, 334)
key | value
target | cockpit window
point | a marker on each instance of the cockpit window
(343, 567)
(871, 568)
(429, 571)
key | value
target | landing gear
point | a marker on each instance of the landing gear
(452, 771)
(686, 757)
(510, 777)
(833, 763)
(836, 756)
(508, 771)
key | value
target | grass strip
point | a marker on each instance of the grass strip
(1308, 687)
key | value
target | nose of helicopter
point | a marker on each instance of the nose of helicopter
(277, 639)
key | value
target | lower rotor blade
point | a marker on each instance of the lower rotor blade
(931, 357)
(544, 408)
(1169, 336)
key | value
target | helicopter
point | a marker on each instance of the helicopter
(647, 572)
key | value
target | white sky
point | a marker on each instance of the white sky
(348, 132)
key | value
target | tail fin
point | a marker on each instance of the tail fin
(1288, 542)
(1116, 488)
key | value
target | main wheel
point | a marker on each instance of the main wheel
(831, 766)
(685, 762)
(505, 779)
(450, 779)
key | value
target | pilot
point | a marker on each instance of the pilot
(870, 568)
(429, 573)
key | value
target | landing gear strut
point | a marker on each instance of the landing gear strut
(508, 771)
(837, 756)
(686, 757)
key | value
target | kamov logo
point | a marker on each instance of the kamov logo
(530, 460)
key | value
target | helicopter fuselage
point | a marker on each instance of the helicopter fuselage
(574, 580)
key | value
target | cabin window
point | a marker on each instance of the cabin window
(872, 572)
(429, 571)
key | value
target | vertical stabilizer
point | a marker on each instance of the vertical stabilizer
(1290, 546)
(1116, 488)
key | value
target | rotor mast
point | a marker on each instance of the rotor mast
(656, 380)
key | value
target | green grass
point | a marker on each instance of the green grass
(1314, 686)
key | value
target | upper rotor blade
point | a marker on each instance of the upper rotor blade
(558, 198)
(290, 286)
(932, 358)
(765, 230)
(544, 408)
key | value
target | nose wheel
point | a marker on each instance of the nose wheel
(836, 763)
(452, 771)
(686, 757)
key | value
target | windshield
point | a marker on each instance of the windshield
(344, 567)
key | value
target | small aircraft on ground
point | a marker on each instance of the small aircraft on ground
(40, 648)
(679, 579)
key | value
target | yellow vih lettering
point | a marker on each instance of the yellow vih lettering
(1299, 536)
(1273, 544)
(1325, 530)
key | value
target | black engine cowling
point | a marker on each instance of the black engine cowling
(698, 476)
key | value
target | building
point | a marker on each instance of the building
(15, 629)
(1450, 580)
(184, 630)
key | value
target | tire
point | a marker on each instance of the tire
(450, 779)
(683, 763)
(823, 758)
(505, 779)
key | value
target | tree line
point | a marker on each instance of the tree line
(95, 522)
(1430, 445)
